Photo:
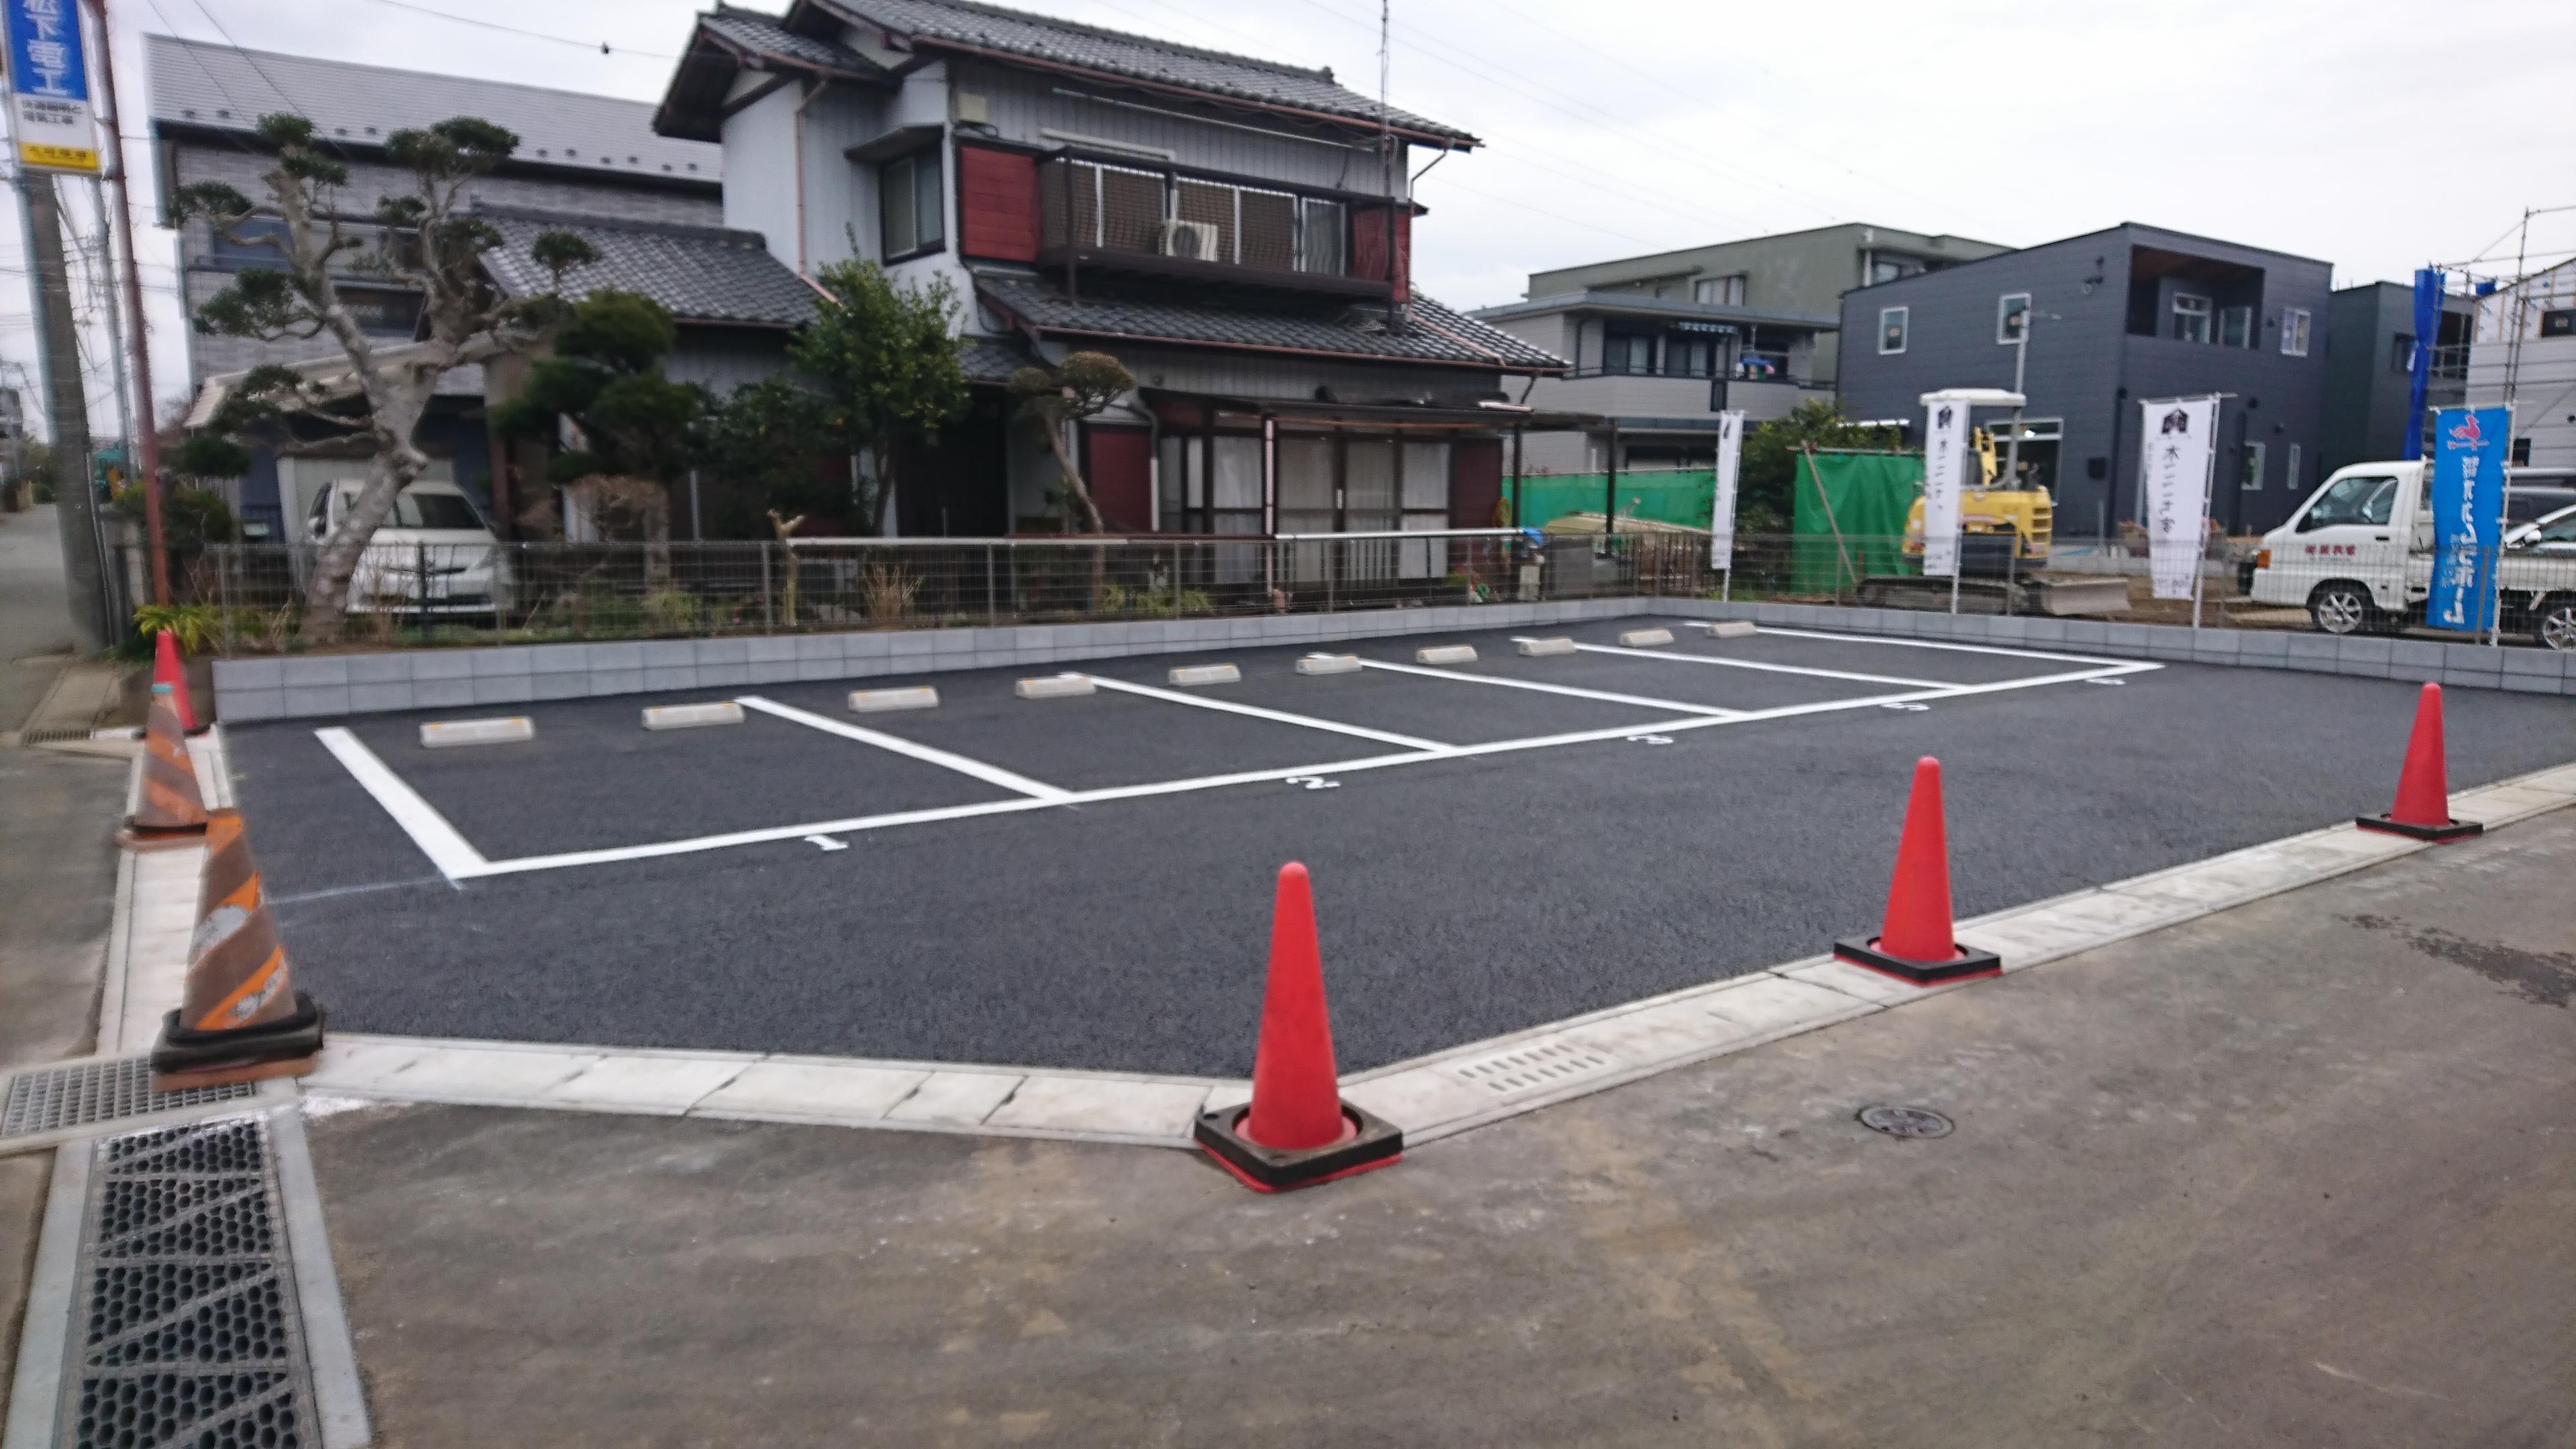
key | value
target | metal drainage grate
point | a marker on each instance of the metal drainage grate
(1526, 1069)
(1905, 1121)
(185, 1320)
(54, 1099)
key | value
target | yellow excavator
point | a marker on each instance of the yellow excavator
(2014, 522)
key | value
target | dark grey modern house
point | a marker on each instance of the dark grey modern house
(2370, 351)
(2114, 316)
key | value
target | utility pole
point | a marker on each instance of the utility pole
(147, 439)
(66, 410)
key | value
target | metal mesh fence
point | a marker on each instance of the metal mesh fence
(427, 594)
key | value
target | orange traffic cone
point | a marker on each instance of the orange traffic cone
(171, 812)
(167, 669)
(1915, 945)
(1296, 1131)
(241, 1018)
(2423, 808)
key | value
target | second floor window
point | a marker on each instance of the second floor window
(383, 311)
(2235, 326)
(2401, 352)
(1724, 291)
(2294, 331)
(2190, 318)
(908, 205)
(2012, 313)
(1627, 352)
(1690, 356)
(1891, 329)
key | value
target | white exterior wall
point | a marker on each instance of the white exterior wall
(760, 166)
(2541, 378)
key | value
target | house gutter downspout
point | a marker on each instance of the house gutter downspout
(811, 91)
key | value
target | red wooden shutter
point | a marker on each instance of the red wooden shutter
(1369, 248)
(1476, 483)
(997, 203)
(1122, 483)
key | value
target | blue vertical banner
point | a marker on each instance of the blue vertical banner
(49, 86)
(2419, 368)
(2468, 515)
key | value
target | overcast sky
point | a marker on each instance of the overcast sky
(2364, 132)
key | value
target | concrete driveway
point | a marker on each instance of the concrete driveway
(2300, 1174)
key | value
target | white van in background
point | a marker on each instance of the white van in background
(2358, 556)
(434, 553)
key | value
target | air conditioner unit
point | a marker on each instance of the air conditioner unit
(1195, 240)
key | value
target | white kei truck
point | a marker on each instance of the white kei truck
(2358, 556)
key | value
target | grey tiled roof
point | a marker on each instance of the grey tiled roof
(1433, 332)
(1088, 47)
(992, 359)
(763, 35)
(217, 86)
(702, 273)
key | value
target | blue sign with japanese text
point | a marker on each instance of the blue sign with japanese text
(2468, 515)
(49, 85)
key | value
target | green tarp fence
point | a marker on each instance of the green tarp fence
(1851, 510)
(1678, 496)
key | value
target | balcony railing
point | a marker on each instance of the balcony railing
(1140, 218)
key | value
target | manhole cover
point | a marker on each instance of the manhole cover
(1905, 1121)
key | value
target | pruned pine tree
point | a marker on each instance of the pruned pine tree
(431, 241)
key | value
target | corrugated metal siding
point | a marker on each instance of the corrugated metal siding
(760, 171)
(1022, 105)
(841, 194)
(368, 180)
(195, 83)
(724, 358)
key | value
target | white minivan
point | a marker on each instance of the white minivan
(433, 554)
(2358, 556)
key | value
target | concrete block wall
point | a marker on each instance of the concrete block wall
(337, 684)
(328, 685)
(2473, 666)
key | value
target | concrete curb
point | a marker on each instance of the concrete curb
(1430, 1097)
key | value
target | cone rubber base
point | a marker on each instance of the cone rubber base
(1374, 1143)
(144, 839)
(2442, 834)
(1967, 965)
(219, 1076)
(182, 1052)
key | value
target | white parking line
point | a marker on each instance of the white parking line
(466, 863)
(1564, 689)
(421, 821)
(1935, 644)
(989, 774)
(1281, 716)
(1671, 658)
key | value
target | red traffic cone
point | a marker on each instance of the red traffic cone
(2423, 808)
(167, 669)
(240, 1018)
(1915, 945)
(170, 812)
(1296, 1131)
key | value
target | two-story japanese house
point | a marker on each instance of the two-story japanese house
(1237, 232)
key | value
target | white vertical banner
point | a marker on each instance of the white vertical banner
(1721, 516)
(1945, 462)
(2177, 447)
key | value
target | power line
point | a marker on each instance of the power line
(603, 47)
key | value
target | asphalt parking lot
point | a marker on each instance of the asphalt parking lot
(1706, 819)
